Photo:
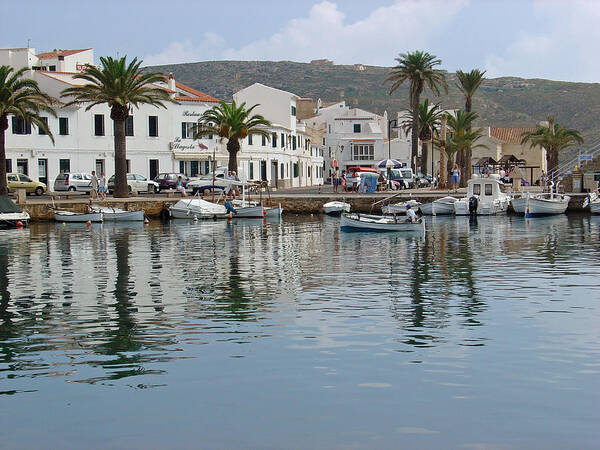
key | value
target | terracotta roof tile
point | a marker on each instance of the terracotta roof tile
(201, 96)
(509, 135)
(57, 53)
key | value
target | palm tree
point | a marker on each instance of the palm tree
(22, 98)
(120, 86)
(418, 68)
(468, 84)
(429, 123)
(461, 135)
(232, 122)
(553, 138)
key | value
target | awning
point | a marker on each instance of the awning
(189, 156)
(485, 161)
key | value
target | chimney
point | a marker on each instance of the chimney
(171, 83)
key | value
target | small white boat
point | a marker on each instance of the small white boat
(250, 211)
(335, 208)
(11, 214)
(441, 206)
(593, 201)
(196, 208)
(484, 197)
(70, 216)
(400, 207)
(367, 222)
(541, 204)
(119, 215)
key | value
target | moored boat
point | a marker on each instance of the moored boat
(273, 212)
(540, 204)
(196, 208)
(119, 215)
(336, 208)
(367, 222)
(400, 207)
(11, 215)
(70, 216)
(484, 197)
(441, 206)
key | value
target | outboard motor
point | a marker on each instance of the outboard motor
(473, 203)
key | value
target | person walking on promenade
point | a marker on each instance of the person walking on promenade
(343, 182)
(455, 177)
(335, 179)
(94, 184)
(102, 186)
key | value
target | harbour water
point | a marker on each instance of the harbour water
(293, 334)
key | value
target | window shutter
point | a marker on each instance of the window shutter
(15, 125)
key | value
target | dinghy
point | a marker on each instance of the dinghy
(540, 204)
(70, 216)
(336, 208)
(441, 206)
(196, 208)
(119, 215)
(367, 222)
(400, 207)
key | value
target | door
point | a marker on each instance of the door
(22, 166)
(274, 173)
(99, 167)
(43, 171)
(263, 171)
(153, 168)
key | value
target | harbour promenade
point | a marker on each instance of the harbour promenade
(293, 201)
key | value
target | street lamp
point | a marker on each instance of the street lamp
(389, 163)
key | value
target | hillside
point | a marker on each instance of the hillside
(504, 101)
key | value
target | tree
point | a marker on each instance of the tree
(554, 138)
(429, 123)
(121, 86)
(462, 136)
(468, 84)
(20, 97)
(232, 122)
(418, 68)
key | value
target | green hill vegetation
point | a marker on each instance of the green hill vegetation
(507, 101)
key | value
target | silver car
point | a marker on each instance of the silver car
(68, 181)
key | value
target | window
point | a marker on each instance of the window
(19, 126)
(181, 166)
(63, 126)
(251, 170)
(488, 189)
(52, 68)
(129, 126)
(194, 168)
(282, 171)
(329, 129)
(357, 127)
(264, 141)
(293, 110)
(274, 140)
(295, 170)
(98, 124)
(12, 178)
(128, 165)
(64, 165)
(249, 139)
(293, 142)
(9, 165)
(153, 126)
(40, 130)
(476, 189)
(187, 130)
(323, 141)
(210, 124)
(363, 152)
(282, 140)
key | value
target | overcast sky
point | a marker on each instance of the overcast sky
(551, 39)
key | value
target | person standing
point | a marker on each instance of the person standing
(455, 177)
(94, 184)
(180, 187)
(102, 186)
(335, 179)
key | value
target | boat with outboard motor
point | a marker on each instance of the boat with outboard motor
(484, 197)
(368, 222)
(336, 208)
(441, 206)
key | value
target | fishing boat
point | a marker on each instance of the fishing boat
(119, 215)
(273, 212)
(367, 222)
(336, 208)
(400, 207)
(441, 206)
(244, 208)
(484, 197)
(197, 208)
(540, 204)
(11, 215)
(74, 217)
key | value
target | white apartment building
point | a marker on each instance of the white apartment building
(289, 158)
(354, 137)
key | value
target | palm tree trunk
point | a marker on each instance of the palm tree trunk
(423, 157)
(3, 181)
(415, 132)
(467, 168)
(233, 147)
(121, 188)
(443, 153)
(551, 160)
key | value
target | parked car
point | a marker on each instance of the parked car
(68, 181)
(136, 183)
(169, 180)
(423, 180)
(22, 181)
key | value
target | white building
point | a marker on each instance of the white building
(289, 158)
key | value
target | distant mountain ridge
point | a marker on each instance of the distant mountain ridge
(506, 101)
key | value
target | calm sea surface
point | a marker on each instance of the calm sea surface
(295, 335)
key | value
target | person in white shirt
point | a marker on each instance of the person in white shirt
(411, 215)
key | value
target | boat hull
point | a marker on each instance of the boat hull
(461, 208)
(273, 213)
(250, 212)
(123, 216)
(10, 220)
(71, 217)
(197, 209)
(439, 207)
(595, 207)
(363, 222)
(540, 207)
(336, 208)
